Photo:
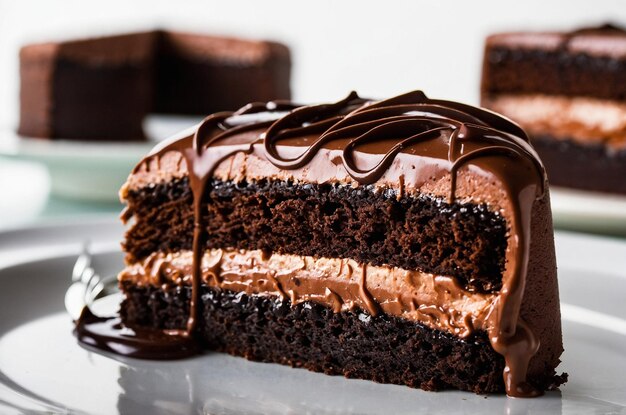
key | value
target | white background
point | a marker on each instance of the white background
(378, 48)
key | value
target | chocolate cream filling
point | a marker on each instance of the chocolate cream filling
(438, 302)
(582, 119)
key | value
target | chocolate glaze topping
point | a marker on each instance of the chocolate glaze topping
(449, 136)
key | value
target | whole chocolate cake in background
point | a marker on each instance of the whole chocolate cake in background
(568, 90)
(102, 88)
(405, 241)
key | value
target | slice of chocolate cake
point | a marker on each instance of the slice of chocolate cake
(102, 88)
(568, 90)
(405, 241)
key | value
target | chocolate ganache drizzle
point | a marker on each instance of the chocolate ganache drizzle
(449, 134)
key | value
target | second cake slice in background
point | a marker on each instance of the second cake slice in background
(568, 90)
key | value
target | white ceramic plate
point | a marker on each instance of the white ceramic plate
(589, 211)
(42, 368)
(90, 170)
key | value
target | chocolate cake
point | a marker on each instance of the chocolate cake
(405, 241)
(568, 90)
(103, 88)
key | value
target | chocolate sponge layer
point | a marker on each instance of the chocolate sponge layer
(385, 349)
(523, 71)
(571, 164)
(464, 241)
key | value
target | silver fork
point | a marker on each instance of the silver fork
(87, 285)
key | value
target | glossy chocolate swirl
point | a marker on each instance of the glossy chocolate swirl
(445, 133)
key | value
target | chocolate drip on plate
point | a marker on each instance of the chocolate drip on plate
(370, 136)
(110, 335)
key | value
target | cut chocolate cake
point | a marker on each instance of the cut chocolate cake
(568, 90)
(103, 88)
(405, 241)
(98, 88)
